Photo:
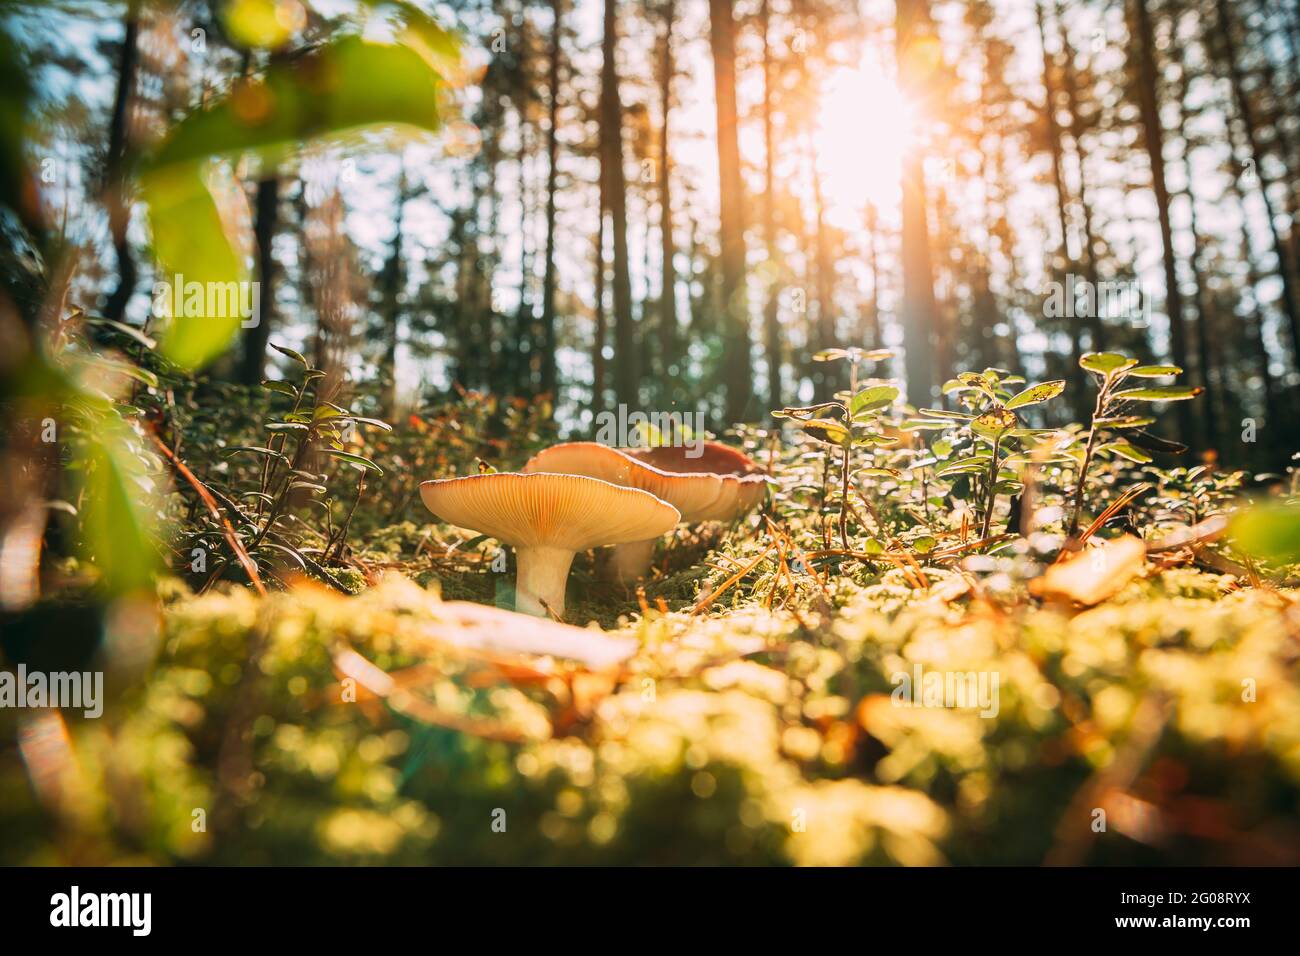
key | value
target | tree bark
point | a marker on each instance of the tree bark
(1153, 134)
(668, 332)
(1077, 376)
(548, 376)
(771, 320)
(611, 142)
(735, 331)
(919, 312)
(267, 212)
(1097, 332)
(119, 207)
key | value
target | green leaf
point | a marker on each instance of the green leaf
(192, 210)
(358, 460)
(1123, 421)
(1155, 371)
(296, 356)
(969, 464)
(1036, 394)
(1270, 531)
(1125, 450)
(1106, 363)
(257, 450)
(944, 413)
(994, 422)
(292, 553)
(826, 430)
(1159, 393)
(116, 520)
(128, 330)
(873, 397)
(345, 85)
(372, 422)
(284, 388)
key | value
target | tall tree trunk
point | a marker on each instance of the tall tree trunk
(1078, 377)
(668, 333)
(521, 370)
(598, 312)
(871, 334)
(611, 142)
(266, 211)
(919, 312)
(1070, 83)
(832, 373)
(771, 321)
(735, 332)
(1144, 50)
(1204, 333)
(1272, 401)
(119, 207)
(391, 281)
(552, 159)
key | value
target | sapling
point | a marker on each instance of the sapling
(858, 422)
(990, 418)
(1110, 413)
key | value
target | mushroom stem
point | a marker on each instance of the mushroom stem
(632, 560)
(541, 579)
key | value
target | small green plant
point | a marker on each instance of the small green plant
(989, 418)
(1111, 414)
(858, 420)
(291, 472)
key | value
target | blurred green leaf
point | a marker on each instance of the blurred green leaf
(1270, 531)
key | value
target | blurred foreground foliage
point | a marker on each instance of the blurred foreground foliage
(738, 738)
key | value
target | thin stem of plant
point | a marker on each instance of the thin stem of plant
(1097, 411)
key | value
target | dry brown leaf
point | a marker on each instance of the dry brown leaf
(1094, 574)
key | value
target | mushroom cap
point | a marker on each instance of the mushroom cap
(694, 494)
(714, 456)
(743, 482)
(572, 512)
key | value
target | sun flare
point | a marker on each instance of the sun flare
(864, 128)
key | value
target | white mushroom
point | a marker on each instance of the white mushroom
(547, 518)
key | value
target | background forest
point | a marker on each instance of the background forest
(947, 179)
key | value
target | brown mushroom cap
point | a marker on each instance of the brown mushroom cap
(743, 482)
(693, 494)
(572, 512)
(714, 456)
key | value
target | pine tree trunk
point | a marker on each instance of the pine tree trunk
(119, 207)
(266, 208)
(1077, 376)
(548, 376)
(919, 313)
(611, 141)
(736, 368)
(1144, 49)
(771, 320)
(668, 332)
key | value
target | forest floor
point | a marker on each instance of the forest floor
(761, 700)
